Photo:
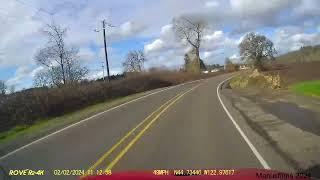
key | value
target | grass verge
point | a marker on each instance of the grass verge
(309, 88)
(48, 125)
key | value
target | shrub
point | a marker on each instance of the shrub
(28, 106)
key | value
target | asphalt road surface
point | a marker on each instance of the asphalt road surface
(182, 127)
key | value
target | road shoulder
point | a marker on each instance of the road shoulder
(265, 147)
(285, 145)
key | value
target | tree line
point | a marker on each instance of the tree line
(60, 82)
(60, 63)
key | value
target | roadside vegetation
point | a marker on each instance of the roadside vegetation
(62, 95)
(303, 55)
(293, 70)
(311, 88)
(43, 126)
(24, 109)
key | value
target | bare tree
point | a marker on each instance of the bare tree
(12, 89)
(57, 54)
(56, 35)
(255, 48)
(135, 61)
(191, 31)
(48, 77)
(3, 87)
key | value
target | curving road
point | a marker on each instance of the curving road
(180, 127)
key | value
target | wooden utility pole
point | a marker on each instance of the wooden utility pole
(105, 48)
(103, 77)
(104, 23)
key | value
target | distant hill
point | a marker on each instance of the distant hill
(304, 54)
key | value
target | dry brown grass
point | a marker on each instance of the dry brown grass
(296, 72)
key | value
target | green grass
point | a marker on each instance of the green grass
(309, 88)
(43, 127)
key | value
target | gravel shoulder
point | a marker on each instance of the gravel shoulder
(285, 127)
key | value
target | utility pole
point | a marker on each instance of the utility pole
(105, 48)
(103, 77)
(104, 23)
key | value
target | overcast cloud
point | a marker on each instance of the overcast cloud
(144, 24)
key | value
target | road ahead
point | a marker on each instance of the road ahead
(182, 127)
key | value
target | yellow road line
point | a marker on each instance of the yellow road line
(102, 158)
(125, 150)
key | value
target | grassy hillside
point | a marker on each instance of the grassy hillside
(305, 54)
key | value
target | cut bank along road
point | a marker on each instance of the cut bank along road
(189, 129)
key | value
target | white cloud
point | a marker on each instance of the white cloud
(212, 4)
(156, 45)
(292, 38)
(126, 30)
(166, 41)
(217, 35)
(207, 54)
(218, 40)
(86, 54)
(20, 75)
(170, 59)
(253, 7)
(93, 75)
(35, 71)
(17, 34)
(290, 21)
(308, 7)
(235, 56)
(166, 29)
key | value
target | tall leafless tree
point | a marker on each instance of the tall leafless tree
(134, 61)
(255, 48)
(190, 30)
(59, 60)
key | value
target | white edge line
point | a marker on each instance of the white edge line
(254, 150)
(89, 118)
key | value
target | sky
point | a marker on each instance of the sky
(147, 25)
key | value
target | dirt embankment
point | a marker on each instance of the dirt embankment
(278, 76)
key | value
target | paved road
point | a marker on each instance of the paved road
(188, 128)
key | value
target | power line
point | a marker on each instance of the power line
(38, 9)
(35, 10)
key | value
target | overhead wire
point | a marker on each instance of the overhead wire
(36, 11)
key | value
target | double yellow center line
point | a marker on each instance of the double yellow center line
(156, 114)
